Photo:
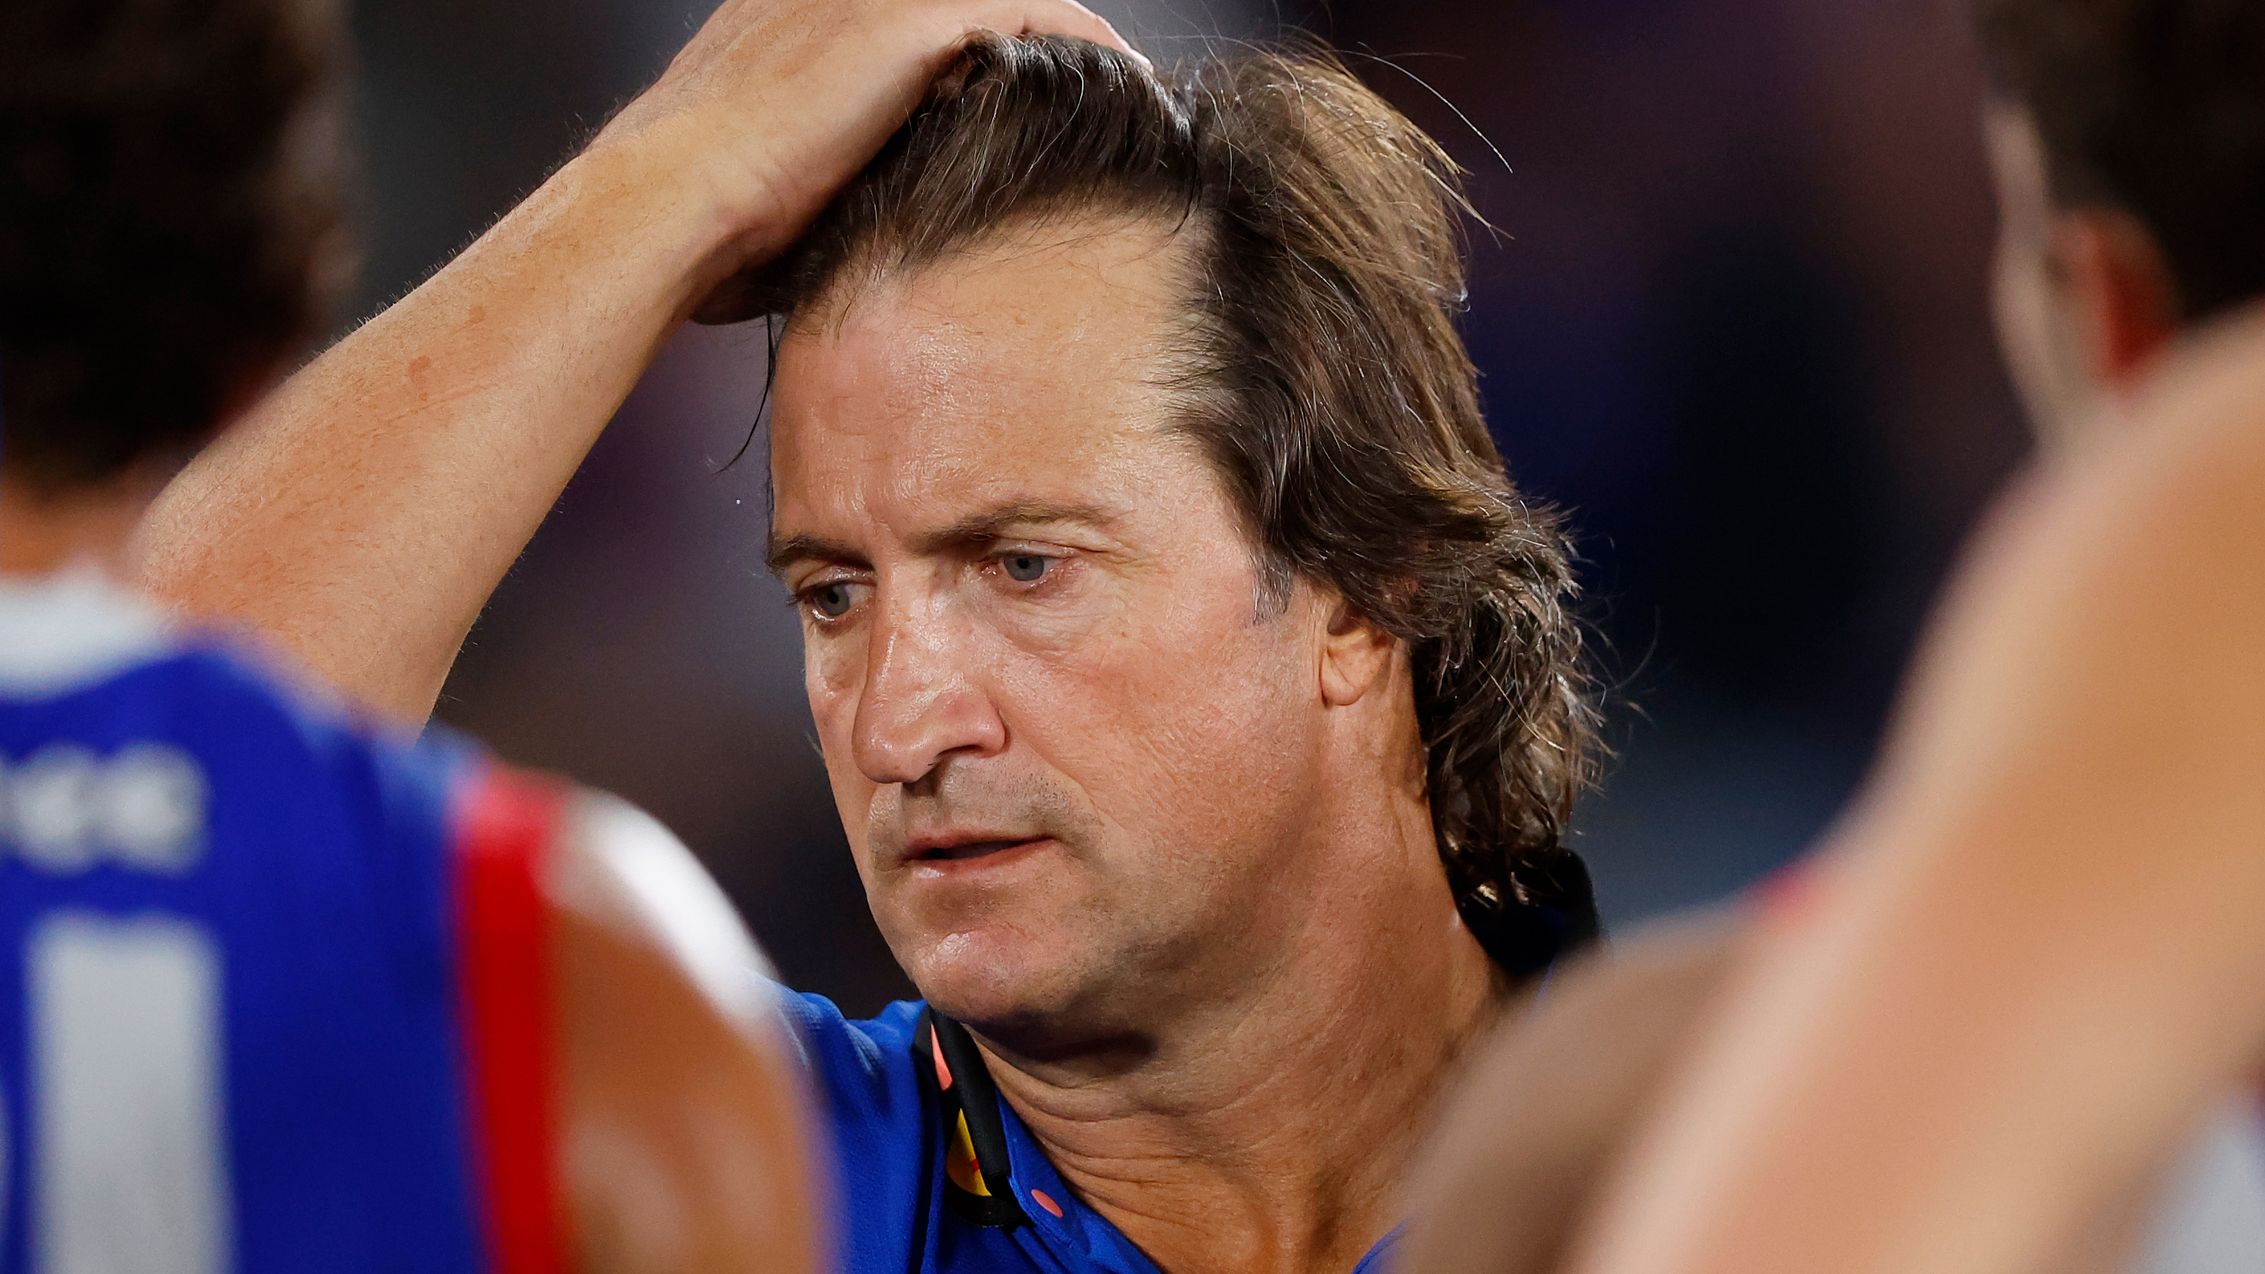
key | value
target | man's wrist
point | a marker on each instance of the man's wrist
(656, 186)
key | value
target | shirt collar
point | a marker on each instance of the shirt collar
(995, 1172)
(62, 631)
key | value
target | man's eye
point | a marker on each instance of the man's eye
(829, 601)
(1025, 568)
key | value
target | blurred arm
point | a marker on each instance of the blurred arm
(685, 1134)
(1552, 1105)
(1552, 1101)
(362, 515)
(2043, 952)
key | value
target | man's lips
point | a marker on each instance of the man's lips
(945, 853)
(967, 849)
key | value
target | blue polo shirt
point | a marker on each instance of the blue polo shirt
(933, 1172)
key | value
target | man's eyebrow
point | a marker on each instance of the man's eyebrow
(993, 523)
(976, 528)
(809, 548)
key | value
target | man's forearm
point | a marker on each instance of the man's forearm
(361, 517)
(363, 514)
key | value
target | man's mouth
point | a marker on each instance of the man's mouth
(936, 852)
(966, 849)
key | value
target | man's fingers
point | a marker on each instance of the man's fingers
(1066, 18)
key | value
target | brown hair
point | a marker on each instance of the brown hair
(1329, 385)
(2155, 107)
(169, 212)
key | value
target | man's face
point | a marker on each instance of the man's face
(2037, 319)
(1072, 743)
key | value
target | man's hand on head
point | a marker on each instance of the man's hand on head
(774, 104)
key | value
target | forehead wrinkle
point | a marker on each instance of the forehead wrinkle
(853, 400)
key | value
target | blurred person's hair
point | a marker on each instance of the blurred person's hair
(170, 208)
(2155, 108)
(1323, 375)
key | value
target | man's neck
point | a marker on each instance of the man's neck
(42, 532)
(1274, 1133)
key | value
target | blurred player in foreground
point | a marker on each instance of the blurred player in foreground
(2033, 962)
(279, 994)
(1198, 694)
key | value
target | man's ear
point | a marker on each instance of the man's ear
(2119, 285)
(1355, 655)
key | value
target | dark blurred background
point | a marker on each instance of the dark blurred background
(1733, 318)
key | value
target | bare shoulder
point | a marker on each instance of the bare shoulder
(620, 871)
(2208, 399)
(1554, 1100)
(2117, 595)
(2183, 473)
(683, 1117)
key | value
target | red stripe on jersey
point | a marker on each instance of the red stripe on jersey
(505, 825)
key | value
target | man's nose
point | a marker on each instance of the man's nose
(919, 703)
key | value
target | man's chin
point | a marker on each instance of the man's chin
(1000, 982)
